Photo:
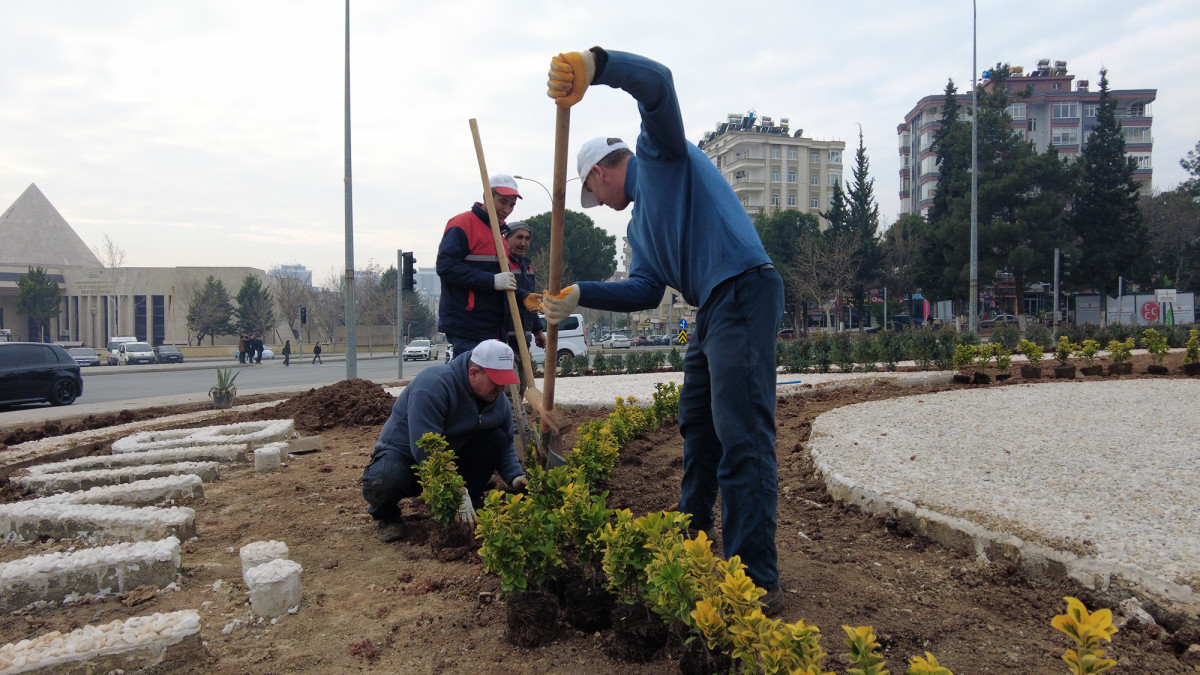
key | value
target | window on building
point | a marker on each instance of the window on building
(791, 176)
(835, 179)
(813, 203)
(793, 153)
(904, 185)
(1066, 110)
(774, 176)
(815, 179)
(814, 156)
(904, 161)
(775, 153)
(1065, 136)
(1017, 111)
(1137, 110)
(925, 140)
(1089, 109)
(835, 156)
(927, 190)
(1136, 134)
(829, 200)
(1142, 159)
(1056, 85)
(791, 199)
(1031, 125)
(774, 200)
(929, 165)
(903, 141)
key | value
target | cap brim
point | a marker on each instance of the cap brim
(507, 191)
(587, 198)
(502, 376)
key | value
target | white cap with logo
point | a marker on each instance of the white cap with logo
(504, 184)
(496, 359)
(592, 152)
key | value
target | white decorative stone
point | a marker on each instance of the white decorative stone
(98, 522)
(266, 459)
(138, 493)
(274, 587)
(50, 483)
(259, 552)
(281, 447)
(138, 643)
(226, 454)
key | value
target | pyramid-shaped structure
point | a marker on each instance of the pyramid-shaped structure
(33, 233)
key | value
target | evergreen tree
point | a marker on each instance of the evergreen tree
(1191, 164)
(1105, 220)
(863, 226)
(37, 298)
(210, 312)
(256, 310)
(952, 142)
(1173, 224)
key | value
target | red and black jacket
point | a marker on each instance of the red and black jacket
(467, 264)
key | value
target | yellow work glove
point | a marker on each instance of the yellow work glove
(569, 77)
(558, 306)
(533, 302)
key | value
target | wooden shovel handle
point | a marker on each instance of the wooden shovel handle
(558, 205)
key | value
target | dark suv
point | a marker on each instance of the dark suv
(32, 372)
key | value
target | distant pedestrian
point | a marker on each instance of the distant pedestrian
(241, 349)
(287, 352)
(258, 349)
(317, 353)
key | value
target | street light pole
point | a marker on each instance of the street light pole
(973, 321)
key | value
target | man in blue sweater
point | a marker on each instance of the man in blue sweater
(459, 400)
(690, 232)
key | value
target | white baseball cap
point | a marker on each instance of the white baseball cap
(504, 184)
(593, 151)
(496, 359)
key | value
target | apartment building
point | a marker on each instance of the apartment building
(772, 167)
(1059, 110)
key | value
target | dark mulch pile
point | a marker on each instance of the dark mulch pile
(349, 403)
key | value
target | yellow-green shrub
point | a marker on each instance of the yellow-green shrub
(1156, 344)
(519, 542)
(1087, 630)
(1064, 349)
(1121, 350)
(1032, 351)
(1087, 351)
(1192, 355)
(441, 485)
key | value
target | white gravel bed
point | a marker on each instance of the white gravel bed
(1106, 472)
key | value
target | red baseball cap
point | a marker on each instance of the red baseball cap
(496, 359)
(505, 185)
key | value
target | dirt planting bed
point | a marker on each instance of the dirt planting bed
(401, 607)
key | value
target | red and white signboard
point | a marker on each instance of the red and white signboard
(1149, 311)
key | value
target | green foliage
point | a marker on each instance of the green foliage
(600, 363)
(1032, 351)
(1064, 349)
(1003, 357)
(964, 355)
(864, 651)
(921, 347)
(1041, 335)
(822, 352)
(1192, 355)
(1008, 336)
(891, 349)
(675, 359)
(1121, 350)
(943, 352)
(666, 401)
(983, 355)
(519, 541)
(37, 298)
(441, 484)
(866, 351)
(210, 311)
(595, 452)
(225, 378)
(1087, 351)
(256, 309)
(589, 251)
(1156, 344)
(842, 351)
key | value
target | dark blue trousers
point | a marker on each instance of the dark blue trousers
(390, 475)
(727, 419)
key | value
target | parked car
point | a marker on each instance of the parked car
(130, 353)
(786, 334)
(537, 355)
(420, 349)
(84, 356)
(572, 340)
(616, 341)
(168, 354)
(114, 346)
(449, 353)
(900, 322)
(268, 354)
(1004, 320)
(32, 372)
(640, 341)
(663, 340)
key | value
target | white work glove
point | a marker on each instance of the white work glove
(504, 281)
(466, 512)
(520, 482)
(558, 306)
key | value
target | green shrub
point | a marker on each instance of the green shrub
(866, 351)
(675, 359)
(441, 485)
(822, 352)
(943, 352)
(1041, 335)
(842, 351)
(921, 346)
(891, 348)
(1007, 336)
(600, 363)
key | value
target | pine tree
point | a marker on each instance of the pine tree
(210, 311)
(1105, 220)
(37, 298)
(863, 225)
(256, 309)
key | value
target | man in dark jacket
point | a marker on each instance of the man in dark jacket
(473, 303)
(459, 400)
(518, 237)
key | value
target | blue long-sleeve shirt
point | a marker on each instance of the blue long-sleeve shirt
(440, 400)
(688, 229)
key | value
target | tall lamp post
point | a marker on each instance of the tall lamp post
(348, 290)
(973, 321)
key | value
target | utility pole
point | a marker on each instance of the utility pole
(973, 320)
(348, 282)
(399, 314)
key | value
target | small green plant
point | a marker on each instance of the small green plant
(441, 484)
(866, 352)
(595, 452)
(983, 355)
(519, 543)
(1032, 351)
(1121, 351)
(675, 359)
(225, 378)
(864, 651)
(964, 356)
(1087, 351)
(1003, 357)
(666, 401)
(1192, 355)
(1156, 344)
(1087, 630)
(1064, 349)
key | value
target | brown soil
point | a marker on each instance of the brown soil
(375, 607)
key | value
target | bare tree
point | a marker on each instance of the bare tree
(112, 257)
(541, 270)
(291, 294)
(328, 309)
(824, 267)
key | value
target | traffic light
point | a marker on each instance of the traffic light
(409, 280)
(673, 299)
(303, 315)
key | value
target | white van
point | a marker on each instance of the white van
(572, 336)
(114, 348)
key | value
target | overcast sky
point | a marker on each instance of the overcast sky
(211, 132)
